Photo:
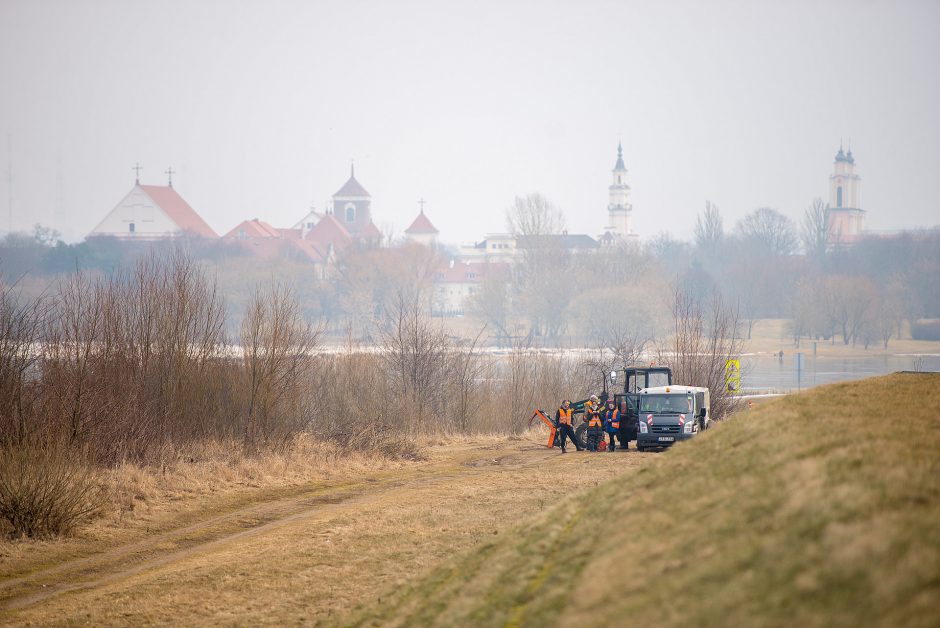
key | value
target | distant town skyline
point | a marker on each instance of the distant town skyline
(259, 109)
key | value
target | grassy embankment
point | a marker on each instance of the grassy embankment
(815, 509)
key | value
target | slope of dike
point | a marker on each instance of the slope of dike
(816, 509)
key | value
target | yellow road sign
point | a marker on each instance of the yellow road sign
(733, 376)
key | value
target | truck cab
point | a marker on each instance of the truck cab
(668, 414)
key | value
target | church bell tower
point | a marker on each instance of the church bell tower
(619, 209)
(845, 216)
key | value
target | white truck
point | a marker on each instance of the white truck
(671, 413)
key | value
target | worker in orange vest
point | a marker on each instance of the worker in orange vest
(612, 424)
(563, 423)
(592, 413)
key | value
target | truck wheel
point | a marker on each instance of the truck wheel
(581, 435)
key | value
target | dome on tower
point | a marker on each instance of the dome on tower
(619, 165)
(840, 156)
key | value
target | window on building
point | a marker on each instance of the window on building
(839, 196)
(618, 179)
(131, 227)
(350, 213)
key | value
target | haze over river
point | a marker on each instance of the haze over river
(766, 372)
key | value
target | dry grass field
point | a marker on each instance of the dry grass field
(266, 546)
(815, 509)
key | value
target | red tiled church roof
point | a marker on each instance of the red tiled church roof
(329, 231)
(179, 210)
(253, 229)
(421, 224)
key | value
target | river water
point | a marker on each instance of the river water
(795, 371)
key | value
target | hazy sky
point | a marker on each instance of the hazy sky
(260, 106)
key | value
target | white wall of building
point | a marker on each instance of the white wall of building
(136, 216)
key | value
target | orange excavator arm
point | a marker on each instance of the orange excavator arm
(547, 421)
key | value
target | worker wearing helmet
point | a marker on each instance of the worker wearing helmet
(591, 406)
(563, 423)
(612, 424)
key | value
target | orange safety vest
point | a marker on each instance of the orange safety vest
(595, 420)
(614, 416)
(564, 416)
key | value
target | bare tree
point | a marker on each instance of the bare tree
(704, 338)
(21, 326)
(277, 346)
(816, 232)
(542, 270)
(709, 230)
(769, 230)
(533, 216)
(414, 350)
(492, 304)
(850, 298)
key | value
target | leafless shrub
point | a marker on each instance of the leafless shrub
(45, 492)
(277, 346)
(20, 395)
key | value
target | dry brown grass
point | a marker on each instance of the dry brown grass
(327, 551)
(199, 478)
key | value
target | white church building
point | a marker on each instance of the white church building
(150, 212)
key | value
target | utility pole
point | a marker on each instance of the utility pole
(10, 181)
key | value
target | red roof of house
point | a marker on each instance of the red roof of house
(421, 225)
(352, 188)
(370, 232)
(253, 229)
(274, 248)
(329, 231)
(179, 210)
(311, 250)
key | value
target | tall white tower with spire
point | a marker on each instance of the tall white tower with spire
(619, 209)
(845, 217)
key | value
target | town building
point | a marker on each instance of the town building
(259, 239)
(456, 285)
(422, 231)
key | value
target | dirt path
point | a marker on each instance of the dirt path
(314, 556)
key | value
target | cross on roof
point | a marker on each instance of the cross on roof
(421, 202)
(170, 172)
(137, 168)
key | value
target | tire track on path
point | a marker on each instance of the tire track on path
(110, 566)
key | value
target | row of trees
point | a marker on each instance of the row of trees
(863, 292)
